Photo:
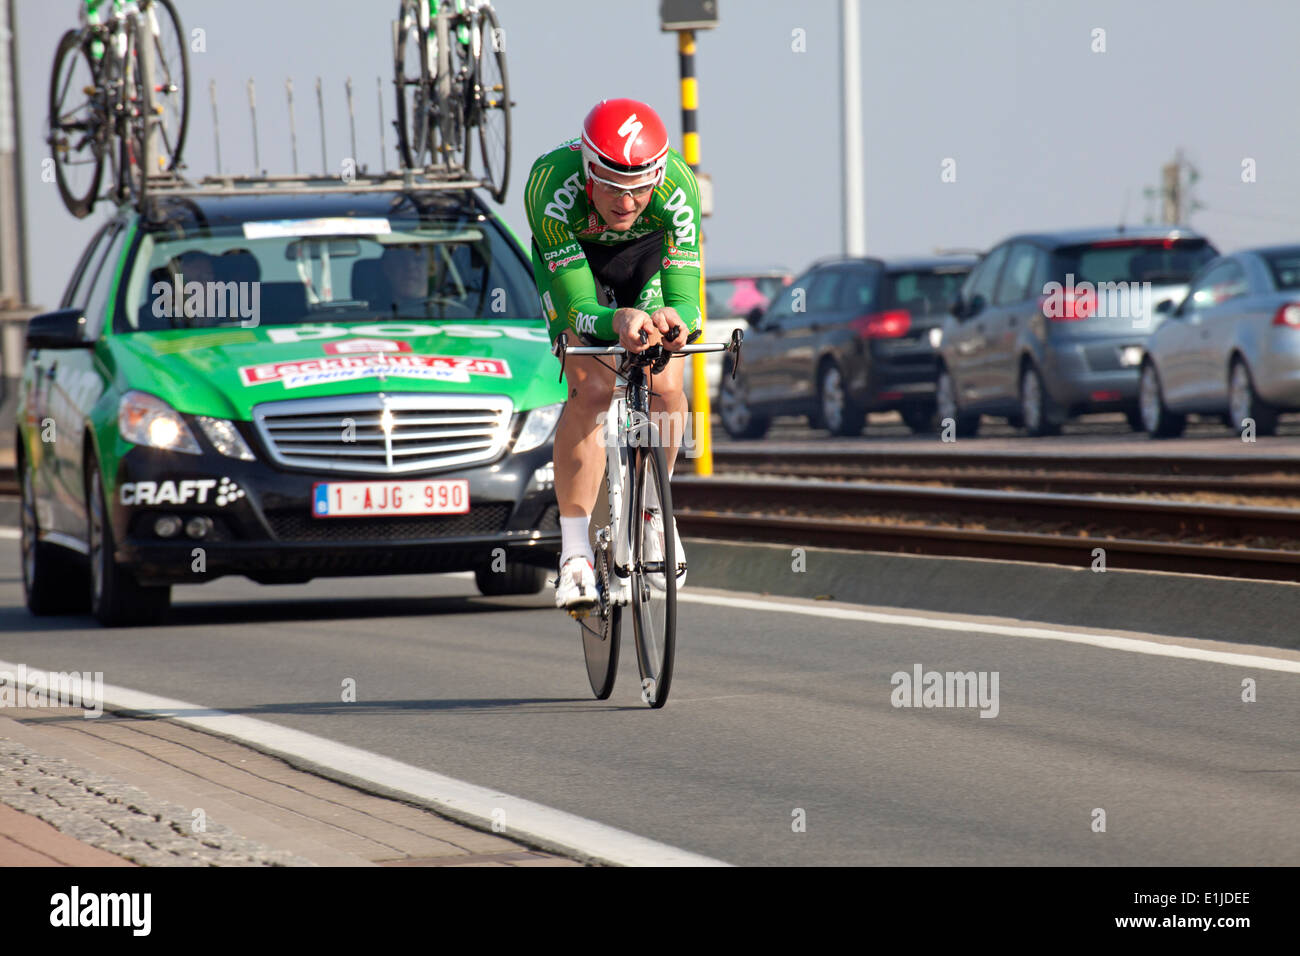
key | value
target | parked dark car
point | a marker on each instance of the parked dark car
(1231, 347)
(848, 337)
(1053, 325)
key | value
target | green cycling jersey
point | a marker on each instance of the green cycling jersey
(562, 218)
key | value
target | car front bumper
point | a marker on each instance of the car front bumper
(263, 525)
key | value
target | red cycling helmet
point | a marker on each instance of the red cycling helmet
(624, 136)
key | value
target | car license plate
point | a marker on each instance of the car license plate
(352, 499)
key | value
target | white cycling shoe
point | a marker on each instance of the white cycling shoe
(654, 549)
(575, 588)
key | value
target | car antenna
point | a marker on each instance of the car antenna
(1123, 212)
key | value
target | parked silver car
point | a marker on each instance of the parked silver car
(1051, 325)
(1231, 347)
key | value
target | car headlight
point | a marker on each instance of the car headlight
(225, 438)
(147, 420)
(936, 337)
(538, 427)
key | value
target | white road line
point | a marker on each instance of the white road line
(544, 826)
(1108, 641)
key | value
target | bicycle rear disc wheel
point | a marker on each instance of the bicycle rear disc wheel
(492, 104)
(75, 126)
(654, 610)
(171, 80)
(600, 629)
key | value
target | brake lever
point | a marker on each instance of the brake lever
(737, 336)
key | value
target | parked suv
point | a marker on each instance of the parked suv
(848, 337)
(286, 381)
(1052, 325)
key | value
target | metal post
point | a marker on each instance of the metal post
(216, 132)
(293, 132)
(352, 121)
(383, 159)
(252, 110)
(320, 107)
(855, 229)
(691, 153)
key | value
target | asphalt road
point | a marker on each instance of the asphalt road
(771, 713)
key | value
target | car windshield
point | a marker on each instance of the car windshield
(737, 295)
(1285, 267)
(924, 292)
(1158, 261)
(324, 270)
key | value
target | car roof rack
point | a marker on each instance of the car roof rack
(407, 180)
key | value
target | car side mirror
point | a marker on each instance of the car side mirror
(975, 306)
(754, 316)
(958, 308)
(1164, 307)
(64, 329)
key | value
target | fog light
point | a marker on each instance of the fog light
(544, 477)
(199, 527)
(1130, 355)
(168, 526)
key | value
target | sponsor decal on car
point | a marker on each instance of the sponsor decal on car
(181, 492)
(356, 346)
(303, 372)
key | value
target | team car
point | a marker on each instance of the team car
(287, 381)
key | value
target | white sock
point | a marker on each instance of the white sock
(575, 538)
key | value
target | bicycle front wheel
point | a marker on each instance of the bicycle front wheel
(600, 628)
(654, 578)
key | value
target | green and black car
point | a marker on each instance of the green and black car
(288, 381)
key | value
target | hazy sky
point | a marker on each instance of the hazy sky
(1044, 132)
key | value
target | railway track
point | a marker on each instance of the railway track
(1225, 540)
(1247, 474)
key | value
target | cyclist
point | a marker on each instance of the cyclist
(615, 217)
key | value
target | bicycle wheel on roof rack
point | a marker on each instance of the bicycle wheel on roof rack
(76, 125)
(138, 119)
(171, 79)
(414, 88)
(489, 106)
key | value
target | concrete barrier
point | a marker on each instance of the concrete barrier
(1178, 605)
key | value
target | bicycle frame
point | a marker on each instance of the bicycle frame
(623, 420)
(628, 424)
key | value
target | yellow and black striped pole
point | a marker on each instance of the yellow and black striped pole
(691, 153)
